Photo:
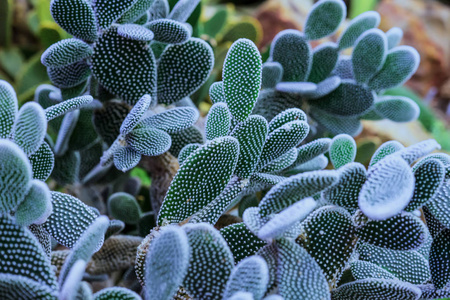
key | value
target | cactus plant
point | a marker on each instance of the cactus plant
(348, 232)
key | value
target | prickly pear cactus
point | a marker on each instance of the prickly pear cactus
(256, 204)
(338, 89)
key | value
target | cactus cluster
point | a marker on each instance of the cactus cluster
(261, 204)
(336, 89)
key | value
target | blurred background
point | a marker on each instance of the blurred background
(27, 29)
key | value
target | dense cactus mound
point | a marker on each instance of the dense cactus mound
(261, 204)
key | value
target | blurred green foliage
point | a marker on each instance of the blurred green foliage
(357, 7)
(26, 30)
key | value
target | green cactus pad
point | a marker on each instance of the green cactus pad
(317, 163)
(72, 92)
(148, 141)
(272, 73)
(135, 114)
(337, 125)
(325, 57)
(344, 67)
(15, 176)
(182, 69)
(336, 103)
(68, 124)
(282, 140)
(66, 168)
(84, 133)
(384, 150)
(411, 232)
(289, 115)
(439, 259)
(218, 121)
(159, 10)
(23, 255)
(346, 191)
(191, 135)
(416, 151)
(135, 32)
(311, 150)
(42, 162)
(235, 234)
(400, 64)
(394, 36)
(183, 9)
(364, 270)
(30, 127)
(298, 274)
(169, 31)
(342, 150)
(324, 18)
(374, 288)
(36, 206)
(72, 284)
(329, 237)
(439, 205)
(369, 54)
(65, 52)
(294, 189)
(126, 68)
(397, 108)
(325, 87)
(388, 189)
(251, 135)
(357, 26)
(187, 151)
(270, 254)
(282, 162)
(442, 157)
(124, 207)
(173, 120)
(211, 257)
(69, 76)
(20, 287)
(291, 49)
(76, 17)
(117, 293)
(253, 219)
(282, 223)
(137, 10)
(191, 191)
(114, 227)
(107, 11)
(250, 275)
(64, 107)
(271, 102)
(108, 120)
(242, 78)
(166, 263)
(226, 199)
(262, 181)
(429, 177)
(69, 220)
(429, 291)
(216, 92)
(126, 158)
(89, 242)
(409, 266)
(8, 108)
(298, 89)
